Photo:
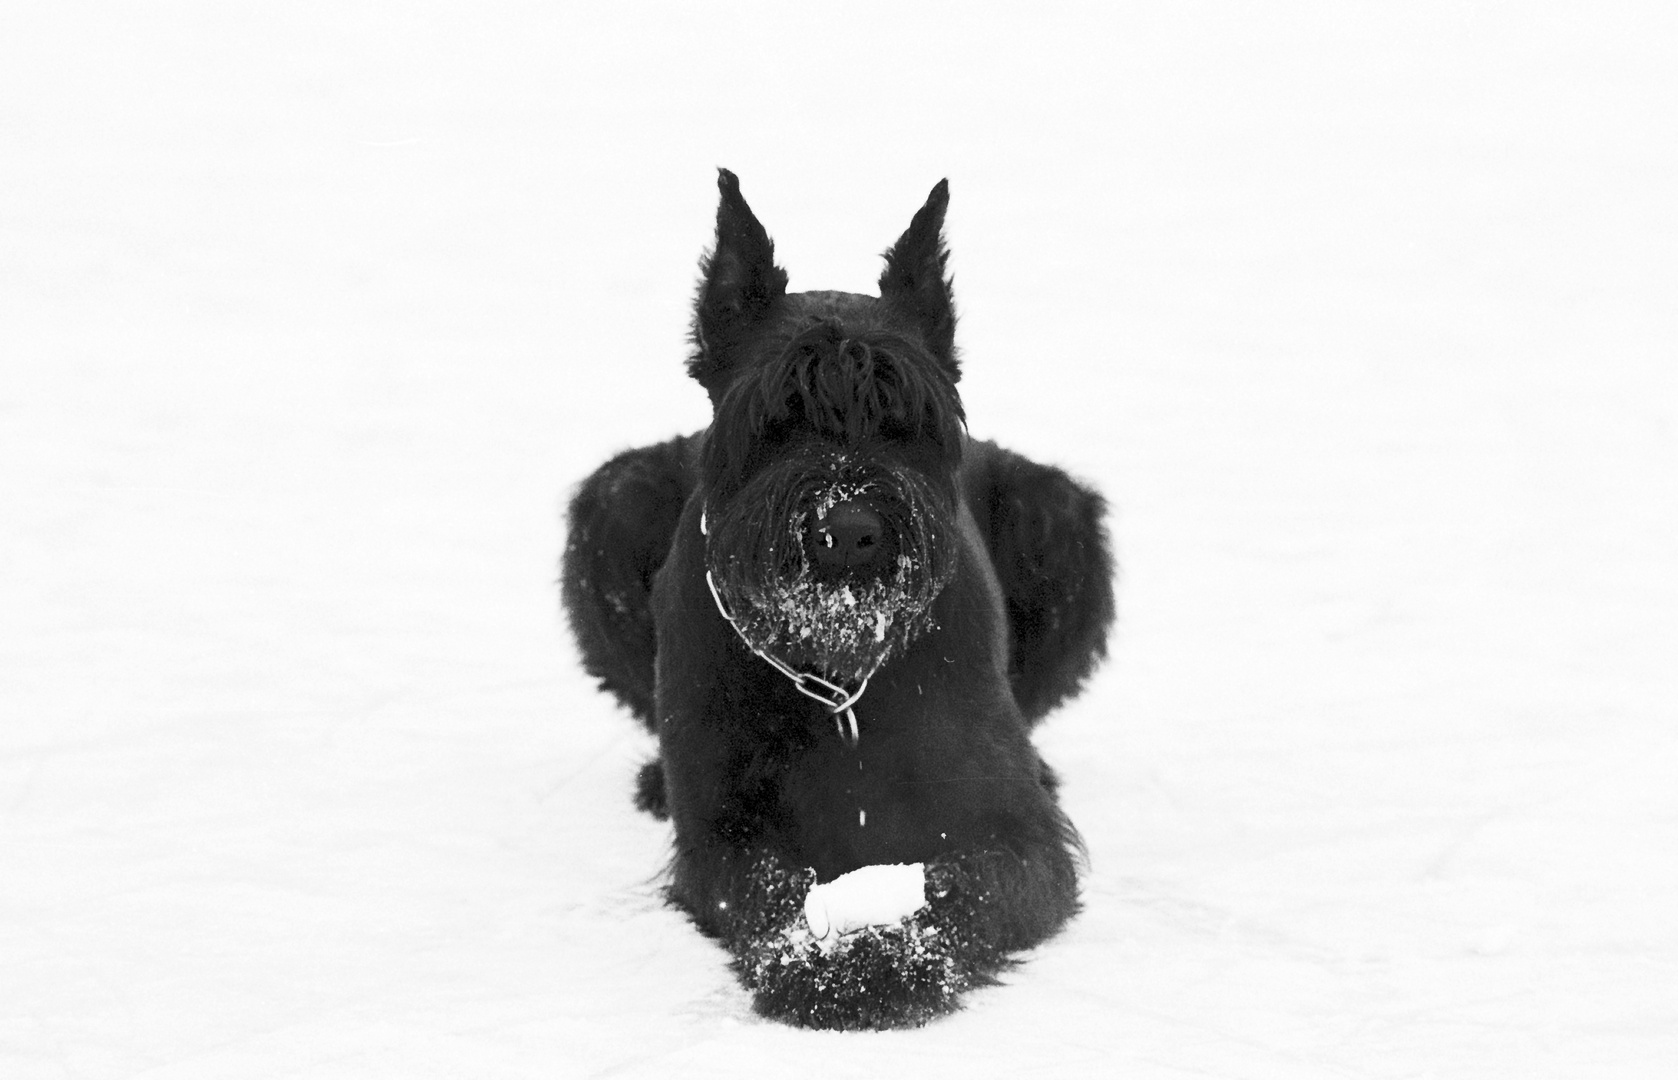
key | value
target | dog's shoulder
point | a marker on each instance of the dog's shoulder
(642, 480)
(620, 524)
(1047, 538)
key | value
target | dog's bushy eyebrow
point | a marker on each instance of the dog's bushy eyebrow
(856, 387)
(848, 384)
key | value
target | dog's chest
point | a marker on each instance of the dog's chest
(876, 802)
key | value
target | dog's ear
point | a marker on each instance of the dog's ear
(739, 285)
(914, 280)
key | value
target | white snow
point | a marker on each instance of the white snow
(1362, 316)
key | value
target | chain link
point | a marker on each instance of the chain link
(836, 698)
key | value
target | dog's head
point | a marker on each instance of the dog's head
(829, 471)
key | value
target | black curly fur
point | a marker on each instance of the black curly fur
(852, 396)
(882, 976)
(1046, 539)
(649, 791)
(619, 528)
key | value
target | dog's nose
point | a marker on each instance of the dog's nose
(850, 535)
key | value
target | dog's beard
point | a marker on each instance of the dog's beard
(841, 625)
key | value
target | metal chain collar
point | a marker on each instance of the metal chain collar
(836, 698)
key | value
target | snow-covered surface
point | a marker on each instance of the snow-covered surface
(1362, 315)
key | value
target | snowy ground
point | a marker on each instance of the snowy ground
(1362, 315)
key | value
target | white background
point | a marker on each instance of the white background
(1362, 315)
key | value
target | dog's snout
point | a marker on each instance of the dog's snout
(851, 535)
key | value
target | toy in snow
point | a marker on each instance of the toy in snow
(867, 896)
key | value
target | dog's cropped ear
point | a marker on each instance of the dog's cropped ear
(739, 285)
(914, 280)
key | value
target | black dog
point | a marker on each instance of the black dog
(841, 616)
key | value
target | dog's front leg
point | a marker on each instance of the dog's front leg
(1007, 881)
(739, 894)
(743, 883)
(898, 971)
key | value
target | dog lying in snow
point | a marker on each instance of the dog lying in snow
(841, 617)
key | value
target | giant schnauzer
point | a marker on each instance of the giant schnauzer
(841, 617)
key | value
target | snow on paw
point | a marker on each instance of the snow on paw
(877, 977)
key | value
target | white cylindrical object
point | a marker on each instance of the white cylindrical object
(876, 895)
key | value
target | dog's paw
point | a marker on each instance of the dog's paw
(895, 976)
